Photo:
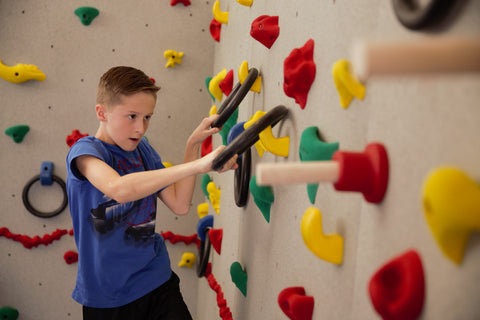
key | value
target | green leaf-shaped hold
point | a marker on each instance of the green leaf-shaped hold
(205, 181)
(262, 196)
(8, 313)
(17, 132)
(86, 14)
(239, 277)
(207, 83)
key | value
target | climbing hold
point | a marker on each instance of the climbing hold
(186, 3)
(187, 260)
(206, 146)
(71, 139)
(243, 72)
(365, 172)
(451, 203)
(242, 173)
(239, 277)
(267, 142)
(207, 83)
(295, 304)
(213, 86)
(215, 29)
(299, 71)
(203, 225)
(8, 313)
(248, 138)
(328, 247)
(219, 15)
(228, 125)
(265, 30)
(167, 164)
(173, 58)
(46, 173)
(216, 236)
(86, 14)
(213, 110)
(70, 257)
(29, 242)
(202, 209)
(214, 196)
(226, 84)
(21, 73)
(262, 196)
(397, 290)
(205, 181)
(17, 133)
(247, 3)
(346, 83)
(312, 148)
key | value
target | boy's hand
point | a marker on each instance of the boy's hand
(208, 159)
(203, 130)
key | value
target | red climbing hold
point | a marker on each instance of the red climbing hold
(186, 3)
(295, 304)
(299, 71)
(70, 257)
(265, 30)
(226, 85)
(397, 290)
(216, 236)
(215, 29)
(71, 139)
(206, 147)
(29, 242)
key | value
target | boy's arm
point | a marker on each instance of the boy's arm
(178, 197)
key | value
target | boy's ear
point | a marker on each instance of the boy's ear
(101, 112)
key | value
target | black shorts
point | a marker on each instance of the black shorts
(165, 302)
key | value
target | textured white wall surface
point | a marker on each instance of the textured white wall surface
(423, 121)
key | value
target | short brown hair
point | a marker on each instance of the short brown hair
(125, 81)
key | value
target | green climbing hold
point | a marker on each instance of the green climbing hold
(17, 132)
(86, 14)
(262, 196)
(231, 121)
(313, 148)
(207, 83)
(239, 277)
(205, 181)
(8, 313)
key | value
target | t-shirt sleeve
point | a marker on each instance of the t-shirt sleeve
(85, 146)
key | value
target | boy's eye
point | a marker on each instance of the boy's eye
(131, 116)
(148, 117)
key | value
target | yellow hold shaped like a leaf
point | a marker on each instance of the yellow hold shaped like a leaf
(214, 85)
(21, 73)
(346, 83)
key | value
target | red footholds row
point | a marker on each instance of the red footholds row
(365, 172)
(397, 289)
(295, 304)
(34, 242)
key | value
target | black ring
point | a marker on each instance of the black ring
(247, 138)
(242, 178)
(203, 254)
(41, 214)
(415, 16)
(233, 100)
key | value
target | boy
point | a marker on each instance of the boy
(113, 181)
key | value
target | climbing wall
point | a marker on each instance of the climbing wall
(37, 281)
(423, 121)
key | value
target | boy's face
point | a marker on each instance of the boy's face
(125, 124)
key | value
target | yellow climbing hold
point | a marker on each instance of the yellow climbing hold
(188, 259)
(167, 164)
(202, 210)
(328, 247)
(214, 85)
(247, 3)
(214, 196)
(173, 58)
(451, 203)
(213, 110)
(267, 141)
(347, 84)
(243, 73)
(21, 73)
(219, 15)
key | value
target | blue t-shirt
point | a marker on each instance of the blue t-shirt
(121, 258)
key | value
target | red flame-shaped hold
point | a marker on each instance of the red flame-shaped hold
(299, 71)
(265, 30)
(215, 29)
(226, 85)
